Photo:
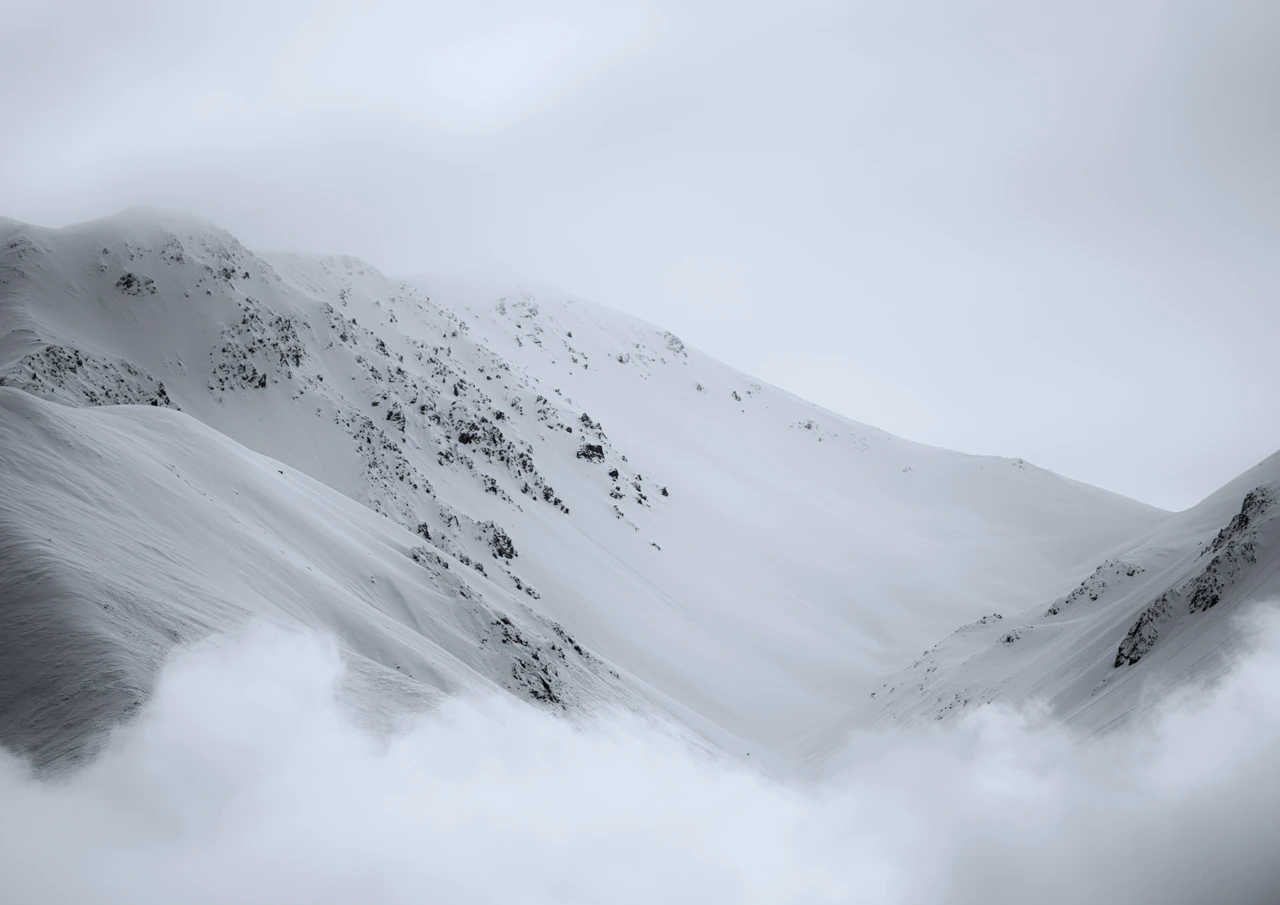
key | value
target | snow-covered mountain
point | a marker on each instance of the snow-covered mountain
(1155, 613)
(477, 485)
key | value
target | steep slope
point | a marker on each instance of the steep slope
(1153, 615)
(745, 557)
(126, 530)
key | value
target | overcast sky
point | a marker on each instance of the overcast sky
(1042, 229)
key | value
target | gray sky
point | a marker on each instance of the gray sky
(1043, 229)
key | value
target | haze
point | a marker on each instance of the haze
(1044, 230)
(244, 782)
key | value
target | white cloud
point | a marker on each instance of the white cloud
(246, 782)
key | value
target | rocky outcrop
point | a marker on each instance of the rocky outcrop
(1231, 553)
(73, 377)
(1095, 585)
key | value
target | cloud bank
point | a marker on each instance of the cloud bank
(247, 781)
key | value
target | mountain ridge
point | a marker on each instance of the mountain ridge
(742, 558)
(1172, 601)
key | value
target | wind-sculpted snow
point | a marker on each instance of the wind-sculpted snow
(255, 774)
(127, 531)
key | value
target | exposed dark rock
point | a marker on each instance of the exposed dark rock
(1145, 631)
(132, 284)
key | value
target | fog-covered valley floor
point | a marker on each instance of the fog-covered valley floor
(246, 779)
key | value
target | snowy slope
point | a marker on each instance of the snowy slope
(127, 530)
(1154, 615)
(740, 557)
